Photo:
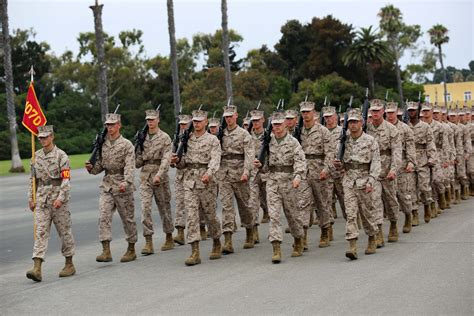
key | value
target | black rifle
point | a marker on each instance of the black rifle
(343, 138)
(267, 136)
(223, 125)
(405, 116)
(249, 128)
(365, 110)
(177, 132)
(243, 120)
(419, 104)
(98, 142)
(140, 135)
(299, 126)
(321, 116)
(183, 144)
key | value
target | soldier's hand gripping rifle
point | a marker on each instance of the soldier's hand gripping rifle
(140, 136)
(249, 128)
(267, 137)
(98, 142)
(365, 110)
(183, 144)
(343, 138)
(177, 132)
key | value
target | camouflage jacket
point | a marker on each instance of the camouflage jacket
(467, 138)
(237, 155)
(335, 136)
(407, 140)
(451, 145)
(155, 158)
(257, 144)
(458, 141)
(424, 144)
(440, 138)
(118, 162)
(319, 150)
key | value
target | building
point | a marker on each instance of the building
(458, 92)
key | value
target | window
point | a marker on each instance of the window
(467, 96)
(448, 97)
(427, 98)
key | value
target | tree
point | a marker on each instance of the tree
(439, 36)
(399, 37)
(16, 165)
(173, 57)
(368, 51)
(225, 50)
(104, 102)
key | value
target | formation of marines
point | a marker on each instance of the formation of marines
(387, 167)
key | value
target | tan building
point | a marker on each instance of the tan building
(457, 92)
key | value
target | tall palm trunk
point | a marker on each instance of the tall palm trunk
(99, 44)
(173, 58)
(225, 48)
(17, 166)
(397, 72)
(440, 53)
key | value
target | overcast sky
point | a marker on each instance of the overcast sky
(59, 22)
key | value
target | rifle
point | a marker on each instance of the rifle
(140, 136)
(343, 138)
(267, 136)
(249, 128)
(405, 116)
(321, 116)
(299, 126)
(177, 131)
(365, 109)
(419, 104)
(223, 126)
(183, 144)
(98, 142)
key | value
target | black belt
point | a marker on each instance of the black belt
(196, 165)
(152, 162)
(53, 182)
(386, 152)
(315, 156)
(357, 166)
(233, 157)
(421, 146)
(115, 171)
(286, 169)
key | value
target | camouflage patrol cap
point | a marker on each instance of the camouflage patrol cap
(354, 115)
(214, 122)
(412, 105)
(306, 106)
(184, 118)
(453, 112)
(152, 114)
(376, 104)
(199, 115)
(291, 114)
(278, 117)
(246, 121)
(256, 115)
(426, 106)
(462, 111)
(229, 110)
(436, 109)
(112, 118)
(399, 112)
(391, 107)
(444, 110)
(45, 131)
(329, 111)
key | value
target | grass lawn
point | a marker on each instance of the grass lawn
(77, 161)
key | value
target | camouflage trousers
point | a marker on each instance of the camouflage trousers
(205, 199)
(305, 201)
(162, 196)
(470, 168)
(461, 174)
(358, 201)
(385, 200)
(124, 203)
(423, 185)
(61, 217)
(241, 191)
(337, 193)
(180, 216)
(321, 192)
(258, 197)
(405, 191)
(437, 182)
(282, 195)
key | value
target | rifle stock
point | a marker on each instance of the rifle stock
(343, 137)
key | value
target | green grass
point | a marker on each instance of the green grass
(77, 161)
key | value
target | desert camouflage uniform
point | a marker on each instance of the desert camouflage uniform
(335, 182)
(467, 149)
(118, 163)
(470, 164)
(258, 181)
(450, 154)
(440, 138)
(52, 183)
(459, 168)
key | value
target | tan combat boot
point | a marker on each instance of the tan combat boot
(216, 249)
(179, 238)
(393, 232)
(465, 191)
(407, 225)
(427, 216)
(68, 269)
(148, 248)
(249, 242)
(228, 248)
(324, 240)
(194, 258)
(330, 233)
(379, 238)
(447, 197)
(35, 273)
(202, 230)
(305, 239)
(433, 210)
(169, 244)
(442, 201)
(265, 218)
(106, 255)
(256, 238)
(297, 247)
(129, 255)
(371, 246)
(276, 257)
(416, 220)
(352, 252)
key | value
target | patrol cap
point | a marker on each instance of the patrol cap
(45, 131)
(230, 110)
(151, 114)
(426, 106)
(399, 111)
(453, 112)
(184, 118)
(391, 107)
(444, 110)
(462, 111)
(112, 118)
(354, 115)
(278, 117)
(376, 104)
(306, 106)
(436, 109)
(412, 105)
(246, 120)
(199, 115)
(329, 111)
(214, 122)
(256, 115)
(290, 114)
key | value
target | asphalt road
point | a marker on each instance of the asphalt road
(429, 271)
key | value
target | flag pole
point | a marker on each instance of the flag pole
(33, 176)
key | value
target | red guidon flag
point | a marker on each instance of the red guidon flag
(33, 116)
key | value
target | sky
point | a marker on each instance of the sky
(59, 22)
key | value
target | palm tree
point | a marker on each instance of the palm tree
(225, 48)
(17, 166)
(173, 58)
(99, 44)
(368, 50)
(439, 36)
